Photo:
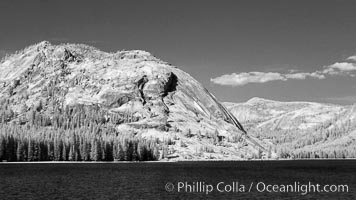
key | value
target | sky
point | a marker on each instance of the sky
(282, 50)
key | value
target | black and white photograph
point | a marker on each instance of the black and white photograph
(177, 99)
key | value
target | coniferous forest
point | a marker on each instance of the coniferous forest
(312, 143)
(71, 133)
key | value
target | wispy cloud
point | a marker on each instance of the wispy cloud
(304, 75)
(340, 67)
(261, 77)
(238, 79)
(247, 77)
(353, 58)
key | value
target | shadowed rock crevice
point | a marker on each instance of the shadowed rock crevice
(140, 85)
(68, 56)
(171, 84)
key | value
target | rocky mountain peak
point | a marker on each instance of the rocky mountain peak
(255, 100)
(154, 98)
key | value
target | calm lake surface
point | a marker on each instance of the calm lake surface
(192, 179)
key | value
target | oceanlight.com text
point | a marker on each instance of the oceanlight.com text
(260, 187)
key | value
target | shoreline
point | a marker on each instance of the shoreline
(169, 161)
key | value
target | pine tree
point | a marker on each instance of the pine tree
(71, 156)
(121, 153)
(140, 152)
(19, 151)
(85, 152)
(269, 152)
(30, 156)
(164, 151)
(156, 153)
(57, 149)
(259, 153)
(64, 152)
(2, 148)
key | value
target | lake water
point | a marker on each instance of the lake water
(187, 180)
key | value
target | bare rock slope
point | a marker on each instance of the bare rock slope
(301, 129)
(159, 100)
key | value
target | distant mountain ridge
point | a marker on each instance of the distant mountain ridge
(267, 112)
(303, 129)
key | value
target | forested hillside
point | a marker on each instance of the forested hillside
(78, 133)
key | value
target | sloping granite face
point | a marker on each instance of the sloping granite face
(161, 98)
